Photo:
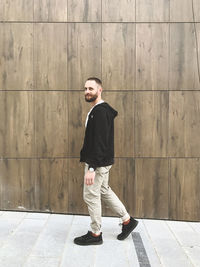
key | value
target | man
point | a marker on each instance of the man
(98, 154)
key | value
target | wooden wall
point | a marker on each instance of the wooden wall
(147, 54)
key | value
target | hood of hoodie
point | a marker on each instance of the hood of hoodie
(111, 111)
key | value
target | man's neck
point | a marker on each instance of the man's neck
(96, 101)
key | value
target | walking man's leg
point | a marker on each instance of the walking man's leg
(92, 197)
(114, 203)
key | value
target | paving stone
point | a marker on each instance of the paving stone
(7, 228)
(75, 255)
(37, 215)
(52, 240)
(13, 215)
(41, 262)
(195, 226)
(184, 233)
(167, 247)
(46, 240)
(150, 249)
(193, 253)
(18, 245)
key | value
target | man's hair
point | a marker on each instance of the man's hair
(97, 80)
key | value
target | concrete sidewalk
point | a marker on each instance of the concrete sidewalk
(38, 239)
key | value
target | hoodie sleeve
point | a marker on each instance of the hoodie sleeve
(101, 125)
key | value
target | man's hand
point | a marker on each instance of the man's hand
(89, 177)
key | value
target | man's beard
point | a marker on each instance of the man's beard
(93, 98)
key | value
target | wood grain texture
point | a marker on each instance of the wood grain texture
(122, 182)
(84, 10)
(34, 184)
(118, 10)
(17, 124)
(76, 180)
(50, 10)
(78, 110)
(118, 51)
(152, 10)
(2, 124)
(184, 189)
(16, 56)
(184, 61)
(197, 39)
(19, 184)
(48, 49)
(51, 124)
(151, 124)
(84, 53)
(151, 188)
(123, 102)
(53, 184)
(184, 124)
(16, 10)
(196, 10)
(50, 56)
(184, 11)
(152, 57)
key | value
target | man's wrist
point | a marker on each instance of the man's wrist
(91, 168)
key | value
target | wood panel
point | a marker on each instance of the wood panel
(151, 188)
(19, 184)
(184, 73)
(118, 10)
(196, 10)
(184, 11)
(53, 184)
(184, 189)
(78, 110)
(152, 10)
(53, 10)
(51, 123)
(152, 57)
(50, 56)
(47, 51)
(84, 10)
(17, 124)
(76, 180)
(2, 124)
(151, 124)
(84, 53)
(123, 102)
(16, 10)
(16, 54)
(118, 51)
(184, 124)
(122, 182)
(197, 35)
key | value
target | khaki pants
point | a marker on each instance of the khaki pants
(92, 195)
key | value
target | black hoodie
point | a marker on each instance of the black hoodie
(98, 146)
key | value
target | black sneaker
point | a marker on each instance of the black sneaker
(127, 229)
(88, 239)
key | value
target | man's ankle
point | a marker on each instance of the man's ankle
(95, 235)
(126, 222)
